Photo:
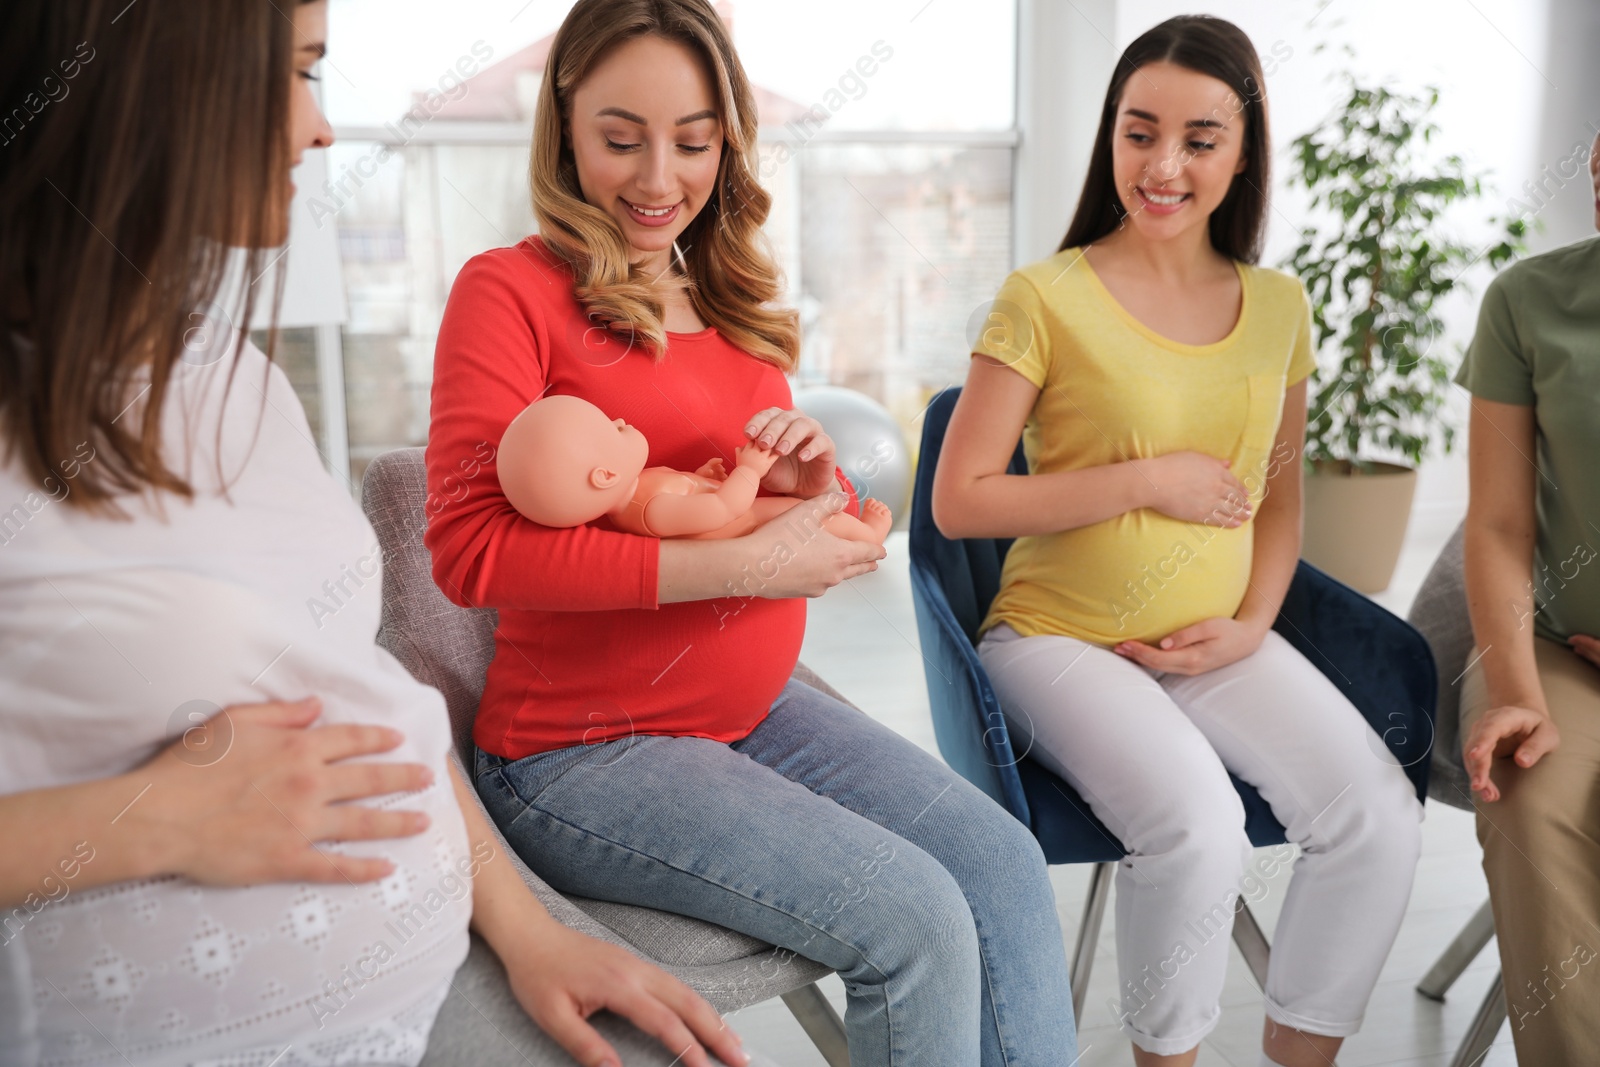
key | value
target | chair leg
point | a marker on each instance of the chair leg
(1485, 1026)
(1094, 911)
(1459, 955)
(1252, 943)
(820, 1022)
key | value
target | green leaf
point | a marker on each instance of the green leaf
(1375, 260)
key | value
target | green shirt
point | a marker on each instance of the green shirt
(1538, 344)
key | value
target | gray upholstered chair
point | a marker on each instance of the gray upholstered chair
(449, 648)
(1440, 613)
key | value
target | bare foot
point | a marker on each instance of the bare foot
(875, 513)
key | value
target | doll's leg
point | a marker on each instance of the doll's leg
(872, 526)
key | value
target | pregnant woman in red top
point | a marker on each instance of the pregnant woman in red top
(640, 736)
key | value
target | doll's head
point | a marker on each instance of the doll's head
(562, 462)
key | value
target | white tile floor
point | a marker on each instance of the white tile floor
(863, 639)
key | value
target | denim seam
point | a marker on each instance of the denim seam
(528, 806)
(504, 763)
(887, 1015)
(994, 998)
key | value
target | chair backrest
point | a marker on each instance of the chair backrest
(1440, 613)
(968, 570)
(954, 582)
(1378, 661)
(442, 645)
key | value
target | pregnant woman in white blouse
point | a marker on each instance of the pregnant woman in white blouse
(291, 883)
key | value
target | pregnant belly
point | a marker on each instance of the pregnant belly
(145, 970)
(165, 970)
(1135, 578)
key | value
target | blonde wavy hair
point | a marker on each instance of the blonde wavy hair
(732, 281)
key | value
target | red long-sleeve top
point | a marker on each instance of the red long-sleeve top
(584, 653)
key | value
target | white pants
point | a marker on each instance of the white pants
(1150, 752)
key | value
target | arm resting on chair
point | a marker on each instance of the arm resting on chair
(561, 977)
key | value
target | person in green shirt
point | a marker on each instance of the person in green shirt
(1531, 697)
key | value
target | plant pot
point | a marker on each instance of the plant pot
(1355, 520)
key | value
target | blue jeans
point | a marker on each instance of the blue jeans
(826, 835)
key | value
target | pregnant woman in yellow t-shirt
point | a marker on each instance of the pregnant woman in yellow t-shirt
(1157, 377)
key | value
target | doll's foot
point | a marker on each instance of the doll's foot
(875, 513)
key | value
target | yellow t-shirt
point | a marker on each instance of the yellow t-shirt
(1111, 389)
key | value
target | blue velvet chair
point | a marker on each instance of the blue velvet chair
(1379, 661)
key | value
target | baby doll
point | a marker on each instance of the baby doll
(562, 462)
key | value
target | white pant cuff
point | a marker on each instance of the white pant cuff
(1321, 1027)
(1170, 1046)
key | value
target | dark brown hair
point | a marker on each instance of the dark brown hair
(143, 140)
(1210, 46)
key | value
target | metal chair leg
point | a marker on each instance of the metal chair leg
(1252, 943)
(820, 1022)
(1459, 955)
(1485, 1025)
(1094, 910)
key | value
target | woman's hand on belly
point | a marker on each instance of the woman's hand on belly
(1195, 487)
(1205, 646)
(240, 800)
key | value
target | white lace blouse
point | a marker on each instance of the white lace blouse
(115, 635)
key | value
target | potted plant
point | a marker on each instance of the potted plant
(1377, 260)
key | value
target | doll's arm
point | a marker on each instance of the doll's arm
(676, 515)
(713, 470)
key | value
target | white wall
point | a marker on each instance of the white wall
(1570, 115)
(1064, 61)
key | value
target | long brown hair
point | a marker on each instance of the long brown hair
(1207, 45)
(733, 280)
(160, 138)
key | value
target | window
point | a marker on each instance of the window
(890, 173)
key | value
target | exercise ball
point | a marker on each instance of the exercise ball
(872, 450)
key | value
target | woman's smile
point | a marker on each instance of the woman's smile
(1161, 203)
(651, 216)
